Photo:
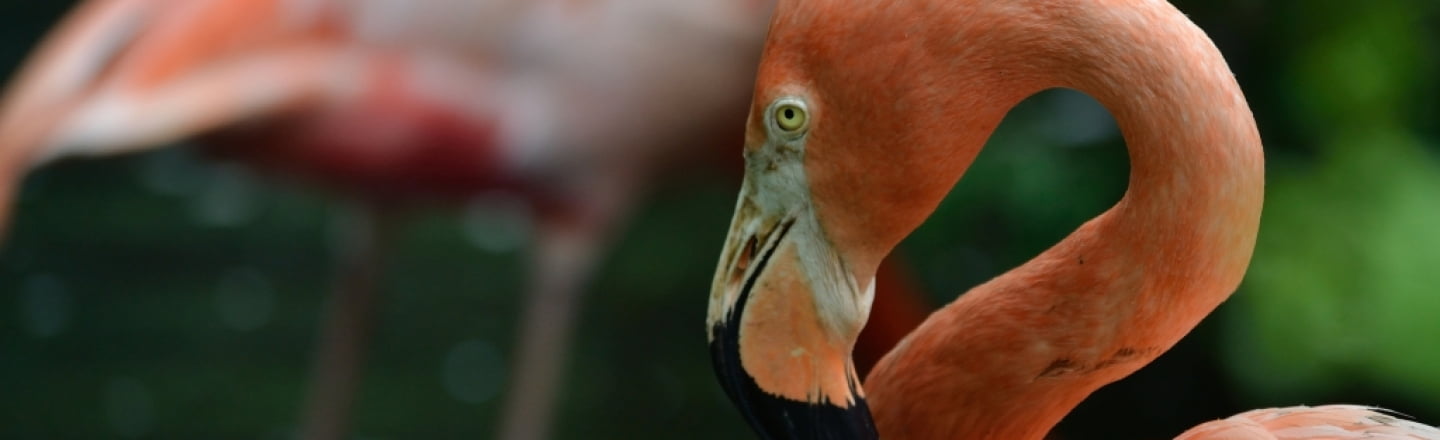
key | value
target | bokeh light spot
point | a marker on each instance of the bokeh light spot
(129, 407)
(172, 172)
(1077, 119)
(229, 199)
(498, 222)
(244, 299)
(473, 371)
(44, 306)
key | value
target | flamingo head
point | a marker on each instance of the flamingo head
(856, 133)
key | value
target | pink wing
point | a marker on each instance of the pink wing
(1330, 422)
(356, 89)
(554, 81)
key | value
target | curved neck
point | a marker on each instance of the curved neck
(1010, 358)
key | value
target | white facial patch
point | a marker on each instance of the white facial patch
(776, 191)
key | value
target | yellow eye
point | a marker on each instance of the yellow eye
(790, 117)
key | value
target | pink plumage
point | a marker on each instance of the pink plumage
(1328, 422)
(898, 100)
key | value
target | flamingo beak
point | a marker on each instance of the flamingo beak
(781, 363)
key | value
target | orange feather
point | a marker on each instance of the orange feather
(901, 96)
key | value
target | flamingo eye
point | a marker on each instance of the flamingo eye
(791, 117)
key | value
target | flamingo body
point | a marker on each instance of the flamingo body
(392, 101)
(351, 81)
(1332, 422)
(866, 115)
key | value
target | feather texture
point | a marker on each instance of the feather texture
(1328, 422)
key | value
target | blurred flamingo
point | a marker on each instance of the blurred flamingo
(864, 117)
(574, 106)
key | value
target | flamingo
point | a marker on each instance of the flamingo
(392, 103)
(866, 114)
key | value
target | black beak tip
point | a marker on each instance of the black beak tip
(777, 417)
(771, 415)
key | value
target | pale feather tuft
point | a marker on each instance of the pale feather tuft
(1329, 422)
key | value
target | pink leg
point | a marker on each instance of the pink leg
(345, 333)
(565, 252)
(562, 266)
